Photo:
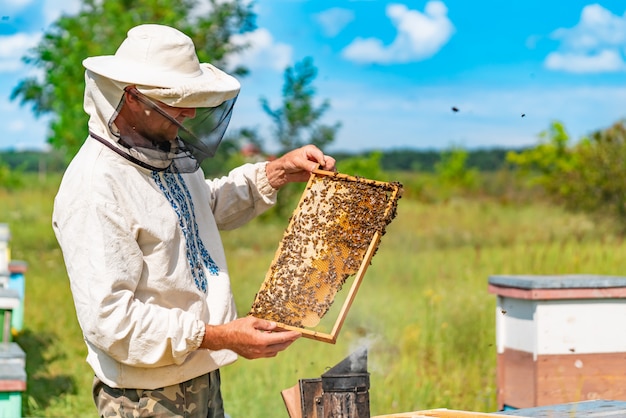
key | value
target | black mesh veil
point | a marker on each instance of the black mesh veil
(198, 135)
(203, 134)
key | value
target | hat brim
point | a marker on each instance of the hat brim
(209, 87)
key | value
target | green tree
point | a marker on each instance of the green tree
(552, 156)
(229, 154)
(97, 29)
(549, 163)
(10, 179)
(596, 181)
(297, 120)
(588, 176)
(367, 166)
(452, 169)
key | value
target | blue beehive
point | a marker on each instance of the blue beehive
(17, 283)
(12, 379)
(12, 357)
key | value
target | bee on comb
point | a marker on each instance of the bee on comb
(332, 236)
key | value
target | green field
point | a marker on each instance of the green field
(423, 308)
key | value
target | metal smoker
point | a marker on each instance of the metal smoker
(341, 392)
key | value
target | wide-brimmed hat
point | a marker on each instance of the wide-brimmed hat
(162, 62)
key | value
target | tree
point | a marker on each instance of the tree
(97, 29)
(367, 166)
(596, 184)
(452, 169)
(588, 176)
(553, 155)
(296, 122)
(549, 162)
(230, 153)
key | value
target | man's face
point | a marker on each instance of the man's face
(153, 119)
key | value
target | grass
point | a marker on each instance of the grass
(423, 308)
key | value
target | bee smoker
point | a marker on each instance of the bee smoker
(341, 392)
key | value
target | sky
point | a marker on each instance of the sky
(426, 75)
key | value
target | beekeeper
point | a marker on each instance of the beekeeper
(138, 226)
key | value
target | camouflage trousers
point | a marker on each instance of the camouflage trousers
(195, 398)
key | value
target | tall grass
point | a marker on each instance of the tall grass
(423, 308)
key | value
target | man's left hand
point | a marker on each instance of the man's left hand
(297, 165)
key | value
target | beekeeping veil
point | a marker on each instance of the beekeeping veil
(158, 65)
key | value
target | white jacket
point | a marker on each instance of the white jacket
(146, 264)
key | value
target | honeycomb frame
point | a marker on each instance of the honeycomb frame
(332, 235)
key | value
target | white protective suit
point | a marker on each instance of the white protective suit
(144, 255)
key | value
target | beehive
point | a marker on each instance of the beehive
(558, 339)
(332, 235)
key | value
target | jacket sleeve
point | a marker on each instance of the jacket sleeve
(243, 194)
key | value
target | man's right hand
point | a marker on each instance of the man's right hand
(249, 337)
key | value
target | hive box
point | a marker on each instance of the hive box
(12, 384)
(559, 339)
(9, 301)
(17, 282)
(12, 353)
(12, 379)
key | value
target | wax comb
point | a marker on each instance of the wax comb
(331, 238)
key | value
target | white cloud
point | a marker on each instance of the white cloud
(334, 20)
(17, 126)
(13, 47)
(17, 4)
(409, 116)
(598, 28)
(53, 9)
(263, 52)
(489, 116)
(203, 8)
(596, 44)
(603, 61)
(24, 131)
(50, 10)
(420, 36)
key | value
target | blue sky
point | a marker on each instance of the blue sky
(393, 70)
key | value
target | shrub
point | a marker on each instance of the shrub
(589, 176)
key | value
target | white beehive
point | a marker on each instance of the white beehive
(559, 339)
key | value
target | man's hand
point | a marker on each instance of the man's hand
(249, 337)
(297, 165)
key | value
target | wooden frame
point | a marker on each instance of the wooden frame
(394, 190)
